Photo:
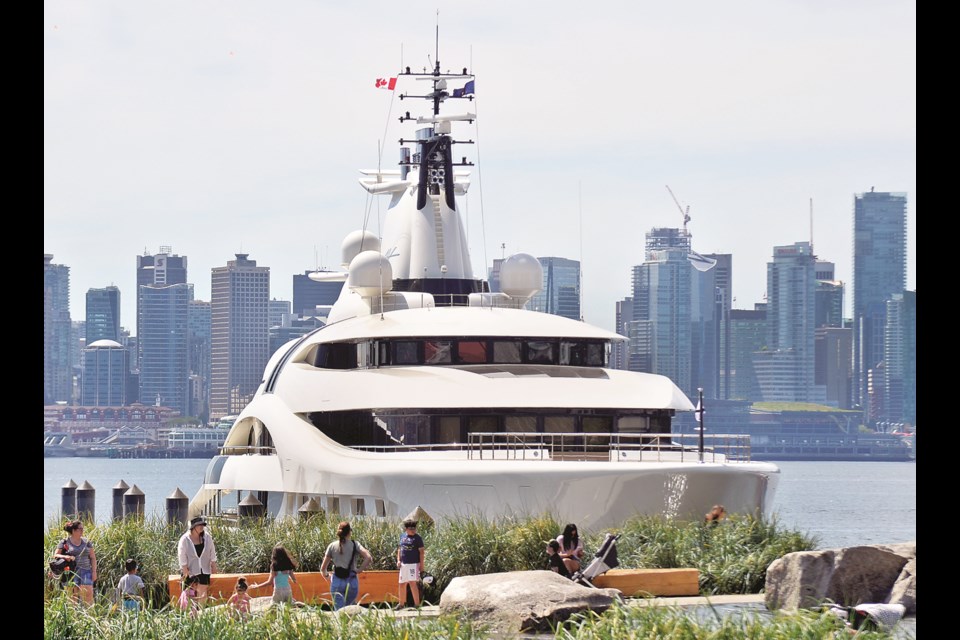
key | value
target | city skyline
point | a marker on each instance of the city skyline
(216, 133)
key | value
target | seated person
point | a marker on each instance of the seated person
(554, 561)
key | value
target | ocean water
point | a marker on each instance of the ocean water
(841, 503)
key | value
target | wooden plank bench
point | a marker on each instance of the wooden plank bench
(375, 586)
(651, 582)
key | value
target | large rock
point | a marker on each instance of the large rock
(522, 601)
(849, 576)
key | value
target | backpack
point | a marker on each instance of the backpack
(59, 565)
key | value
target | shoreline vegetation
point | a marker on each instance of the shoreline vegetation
(732, 559)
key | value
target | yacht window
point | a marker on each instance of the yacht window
(571, 353)
(482, 424)
(381, 508)
(520, 424)
(506, 352)
(472, 352)
(365, 354)
(359, 507)
(333, 505)
(596, 424)
(336, 355)
(541, 352)
(405, 353)
(437, 352)
(596, 354)
(383, 353)
(559, 424)
(448, 430)
(633, 424)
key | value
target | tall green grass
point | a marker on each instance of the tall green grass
(732, 557)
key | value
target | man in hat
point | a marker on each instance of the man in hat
(197, 555)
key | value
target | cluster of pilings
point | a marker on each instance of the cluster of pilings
(128, 502)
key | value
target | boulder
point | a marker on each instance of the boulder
(522, 601)
(848, 576)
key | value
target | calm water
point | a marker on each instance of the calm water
(842, 503)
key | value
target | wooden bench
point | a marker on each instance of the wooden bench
(651, 582)
(375, 586)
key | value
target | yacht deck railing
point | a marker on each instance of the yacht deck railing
(598, 447)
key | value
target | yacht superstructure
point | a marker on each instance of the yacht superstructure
(427, 390)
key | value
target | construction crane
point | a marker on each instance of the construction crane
(684, 213)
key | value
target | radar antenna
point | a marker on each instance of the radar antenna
(684, 213)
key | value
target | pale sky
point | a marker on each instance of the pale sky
(221, 127)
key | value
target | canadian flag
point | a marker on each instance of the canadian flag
(386, 83)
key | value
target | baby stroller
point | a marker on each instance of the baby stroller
(603, 560)
(870, 617)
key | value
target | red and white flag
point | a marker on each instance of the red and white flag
(386, 83)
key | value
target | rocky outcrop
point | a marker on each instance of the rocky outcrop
(848, 576)
(522, 601)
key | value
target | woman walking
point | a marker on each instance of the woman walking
(197, 555)
(78, 551)
(344, 584)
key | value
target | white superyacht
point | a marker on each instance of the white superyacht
(427, 391)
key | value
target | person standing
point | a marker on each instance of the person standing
(343, 552)
(130, 587)
(197, 555)
(282, 567)
(410, 555)
(78, 551)
(571, 548)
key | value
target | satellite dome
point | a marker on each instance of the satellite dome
(370, 274)
(521, 276)
(355, 242)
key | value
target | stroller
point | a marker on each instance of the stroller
(603, 560)
(869, 617)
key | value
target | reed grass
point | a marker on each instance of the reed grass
(732, 557)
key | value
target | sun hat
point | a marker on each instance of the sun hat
(195, 522)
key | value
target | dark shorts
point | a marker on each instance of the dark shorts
(203, 578)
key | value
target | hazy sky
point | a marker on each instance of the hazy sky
(223, 127)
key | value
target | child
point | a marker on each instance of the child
(189, 596)
(240, 601)
(554, 561)
(282, 567)
(130, 588)
(410, 554)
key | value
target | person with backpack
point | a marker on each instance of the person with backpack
(78, 551)
(343, 552)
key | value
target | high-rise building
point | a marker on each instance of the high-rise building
(662, 339)
(162, 268)
(309, 294)
(165, 345)
(57, 329)
(106, 368)
(900, 359)
(833, 367)
(748, 335)
(785, 371)
(103, 315)
(198, 323)
(675, 326)
(879, 271)
(240, 292)
(560, 294)
(276, 310)
(619, 351)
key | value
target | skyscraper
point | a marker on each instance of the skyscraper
(165, 345)
(198, 323)
(879, 271)
(103, 314)
(106, 369)
(161, 269)
(900, 359)
(785, 371)
(560, 294)
(57, 328)
(240, 293)
(748, 335)
(309, 294)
